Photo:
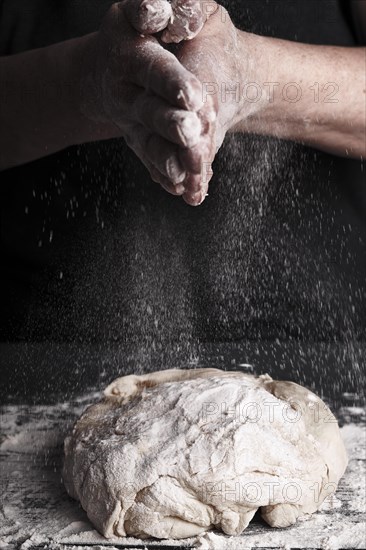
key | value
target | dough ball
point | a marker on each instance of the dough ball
(175, 453)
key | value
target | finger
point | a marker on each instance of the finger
(196, 190)
(186, 22)
(148, 16)
(195, 183)
(178, 126)
(196, 186)
(164, 156)
(156, 176)
(195, 199)
(176, 190)
(157, 151)
(187, 19)
(197, 157)
(159, 71)
(143, 61)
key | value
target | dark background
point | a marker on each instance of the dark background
(102, 273)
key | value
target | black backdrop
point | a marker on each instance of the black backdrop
(95, 257)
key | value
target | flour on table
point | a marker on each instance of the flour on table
(175, 453)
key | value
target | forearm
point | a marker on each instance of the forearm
(312, 94)
(40, 108)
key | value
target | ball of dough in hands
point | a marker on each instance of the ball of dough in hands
(174, 453)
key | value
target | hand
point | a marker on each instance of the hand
(153, 100)
(217, 57)
(261, 85)
(220, 56)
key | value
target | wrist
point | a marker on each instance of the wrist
(259, 106)
(274, 76)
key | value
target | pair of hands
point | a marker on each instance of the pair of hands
(152, 83)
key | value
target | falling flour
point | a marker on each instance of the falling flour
(175, 453)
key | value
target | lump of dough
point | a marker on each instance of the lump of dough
(174, 453)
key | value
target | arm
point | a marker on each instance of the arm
(114, 82)
(40, 103)
(312, 94)
(317, 96)
(117, 82)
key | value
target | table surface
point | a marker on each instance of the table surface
(36, 512)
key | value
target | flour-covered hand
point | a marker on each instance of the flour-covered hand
(154, 101)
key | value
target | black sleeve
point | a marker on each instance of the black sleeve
(355, 13)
